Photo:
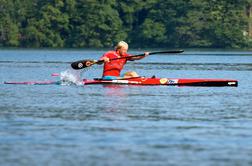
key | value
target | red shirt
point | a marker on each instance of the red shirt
(113, 67)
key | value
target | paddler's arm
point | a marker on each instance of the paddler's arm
(138, 58)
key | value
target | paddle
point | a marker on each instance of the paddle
(87, 63)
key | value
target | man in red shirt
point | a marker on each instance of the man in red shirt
(112, 69)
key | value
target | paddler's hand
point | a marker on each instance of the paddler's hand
(146, 53)
(89, 63)
(105, 59)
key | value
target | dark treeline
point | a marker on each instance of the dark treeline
(142, 23)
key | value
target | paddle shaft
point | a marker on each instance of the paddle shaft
(87, 63)
(151, 53)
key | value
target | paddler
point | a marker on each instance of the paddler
(112, 69)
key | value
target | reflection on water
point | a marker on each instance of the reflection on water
(146, 125)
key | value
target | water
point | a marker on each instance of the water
(125, 125)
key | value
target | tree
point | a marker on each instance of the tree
(159, 25)
(9, 31)
(96, 24)
(49, 26)
(218, 24)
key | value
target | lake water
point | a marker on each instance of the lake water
(125, 125)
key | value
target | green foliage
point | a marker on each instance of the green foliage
(101, 23)
(96, 24)
(49, 26)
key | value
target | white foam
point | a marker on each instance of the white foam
(71, 76)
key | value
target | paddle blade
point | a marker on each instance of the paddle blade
(82, 64)
(176, 51)
(161, 52)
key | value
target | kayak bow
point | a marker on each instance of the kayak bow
(33, 82)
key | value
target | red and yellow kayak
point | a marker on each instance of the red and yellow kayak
(165, 81)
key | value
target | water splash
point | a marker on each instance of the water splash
(70, 76)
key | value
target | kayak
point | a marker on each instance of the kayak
(165, 81)
(145, 81)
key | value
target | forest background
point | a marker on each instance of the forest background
(142, 23)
